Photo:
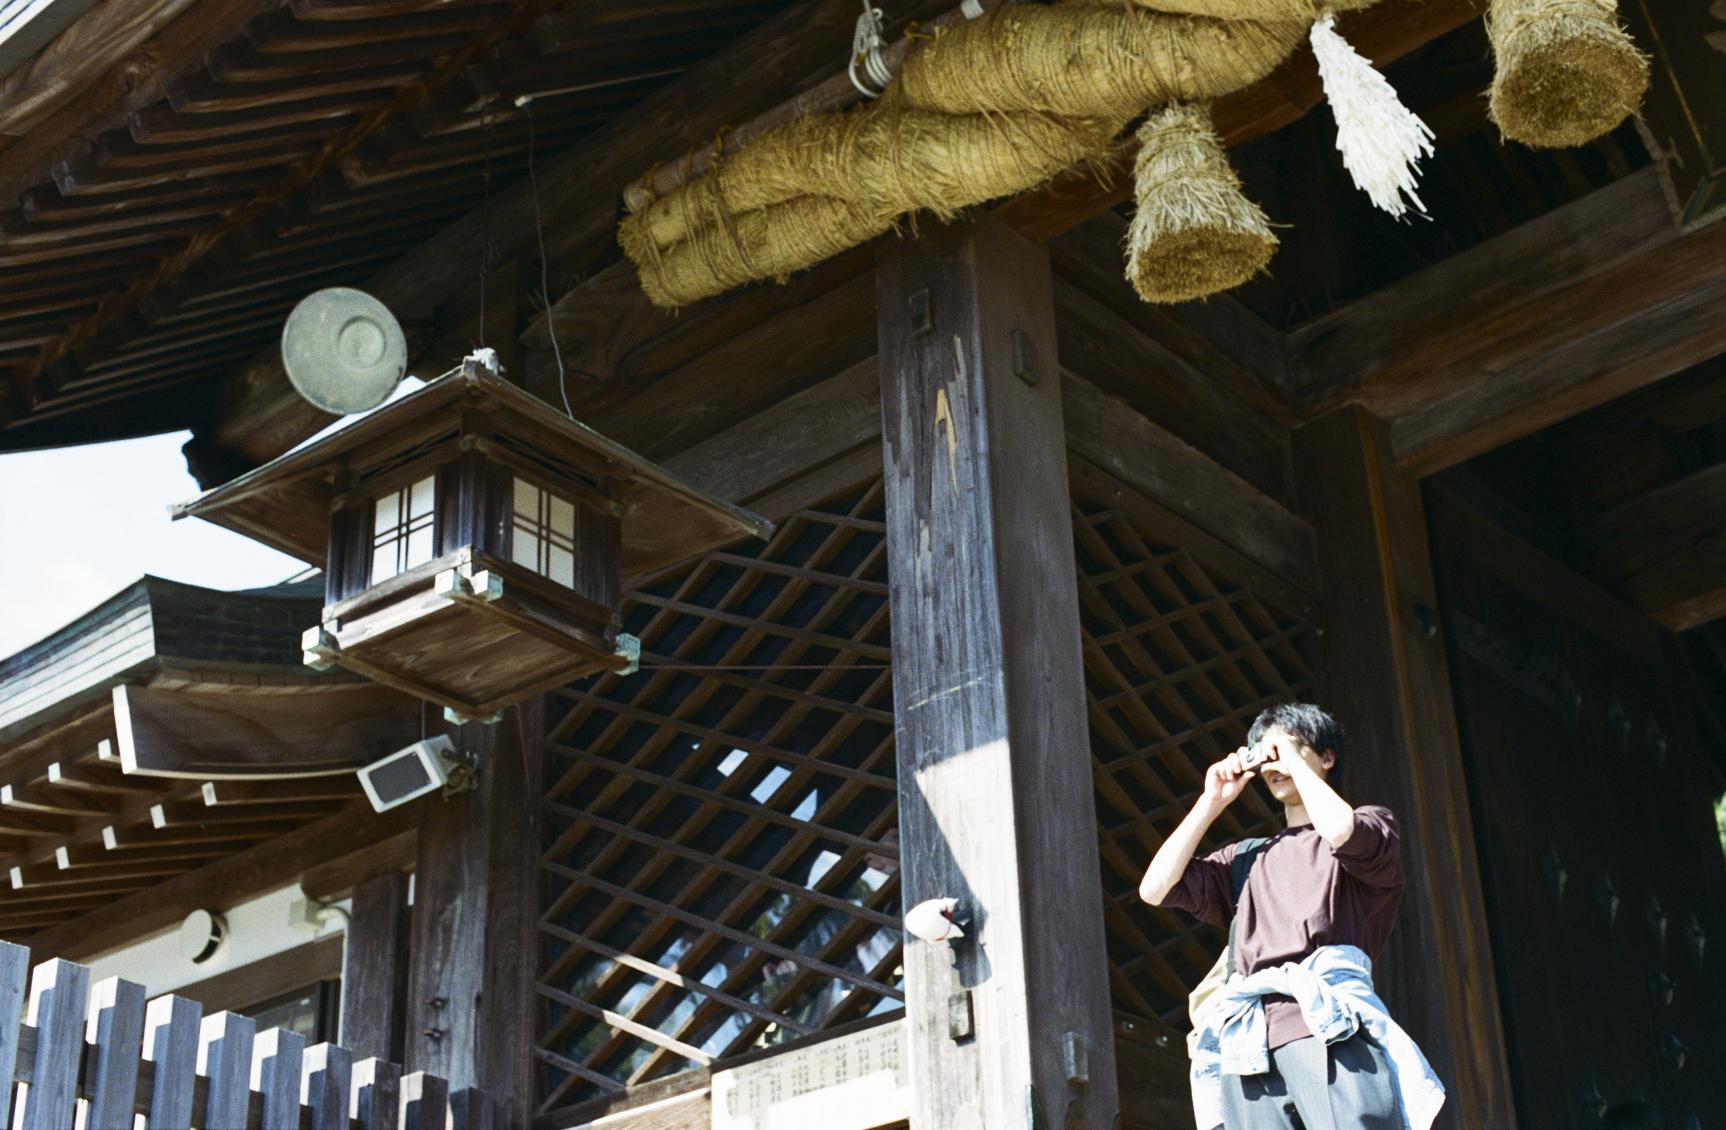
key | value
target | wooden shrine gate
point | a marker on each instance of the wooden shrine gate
(99, 1057)
(720, 862)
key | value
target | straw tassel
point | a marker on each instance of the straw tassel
(1194, 233)
(1381, 140)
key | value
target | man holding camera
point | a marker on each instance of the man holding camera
(1296, 1038)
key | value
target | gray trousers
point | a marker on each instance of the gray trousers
(1345, 1086)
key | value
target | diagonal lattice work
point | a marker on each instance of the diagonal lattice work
(721, 856)
(1178, 662)
(720, 860)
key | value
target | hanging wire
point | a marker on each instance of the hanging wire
(488, 247)
(544, 281)
(867, 43)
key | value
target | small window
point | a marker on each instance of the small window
(543, 533)
(402, 530)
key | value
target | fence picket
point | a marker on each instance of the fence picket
(171, 1044)
(59, 991)
(324, 1086)
(425, 1102)
(215, 1073)
(377, 1089)
(225, 1059)
(114, 1032)
(14, 981)
(276, 1058)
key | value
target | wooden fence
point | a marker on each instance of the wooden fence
(179, 1069)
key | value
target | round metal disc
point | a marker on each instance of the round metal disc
(343, 350)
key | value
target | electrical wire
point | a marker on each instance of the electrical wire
(544, 280)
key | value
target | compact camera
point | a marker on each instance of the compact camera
(1256, 755)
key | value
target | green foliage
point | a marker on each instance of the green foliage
(1720, 820)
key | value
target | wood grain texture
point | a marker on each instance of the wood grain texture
(1387, 681)
(374, 974)
(171, 1033)
(261, 416)
(471, 965)
(222, 884)
(225, 1061)
(276, 1060)
(1152, 460)
(58, 990)
(1669, 545)
(114, 1035)
(996, 798)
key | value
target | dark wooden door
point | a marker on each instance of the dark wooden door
(1600, 861)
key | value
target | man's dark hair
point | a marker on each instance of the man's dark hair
(1305, 721)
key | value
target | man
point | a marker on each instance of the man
(1297, 1039)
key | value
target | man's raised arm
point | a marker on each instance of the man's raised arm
(1224, 781)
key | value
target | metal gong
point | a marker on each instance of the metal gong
(344, 350)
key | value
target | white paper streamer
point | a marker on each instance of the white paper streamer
(1381, 140)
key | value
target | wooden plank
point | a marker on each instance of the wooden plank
(425, 1101)
(223, 884)
(114, 1033)
(339, 878)
(374, 974)
(220, 735)
(326, 1074)
(996, 800)
(1669, 547)
(1386, 679)
(789, 438)
(1106, 431)
(276, 1060)
(14, 983)
(171, 1037)
(59, 991)
(225, 1061)
(377, 1094)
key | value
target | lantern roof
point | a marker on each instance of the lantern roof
(287, 503)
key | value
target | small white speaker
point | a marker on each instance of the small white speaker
(408, 773)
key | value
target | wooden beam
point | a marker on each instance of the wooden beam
(308, 731)
(1105, 431)
(1669, 548)
(996, 798)
(223, 884)
(1386, 679)
(374, 969)
(1584, 304)
(261, 415)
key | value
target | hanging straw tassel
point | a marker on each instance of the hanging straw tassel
(1194, 233)
(1566, 74)
(1381, 140)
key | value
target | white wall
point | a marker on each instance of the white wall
(259, 929)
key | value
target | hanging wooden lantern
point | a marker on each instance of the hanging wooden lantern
(476, 542)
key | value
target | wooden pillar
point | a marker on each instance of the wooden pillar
(1011, 1028)
(1386, 680)
(470, 979)
(374, 968)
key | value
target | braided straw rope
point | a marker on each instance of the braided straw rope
(1002, 104)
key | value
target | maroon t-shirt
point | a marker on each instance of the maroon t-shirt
(1301, 895)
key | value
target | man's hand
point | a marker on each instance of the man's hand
(1226, 780)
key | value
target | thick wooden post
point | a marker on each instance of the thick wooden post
(470, 972)
(374, 969)
(1386, 680)
(1011, 1027)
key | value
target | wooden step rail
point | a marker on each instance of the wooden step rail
(107, 1049)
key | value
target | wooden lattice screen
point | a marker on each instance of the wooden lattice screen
(722, 856)
(721, 846)
(1178, 662)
